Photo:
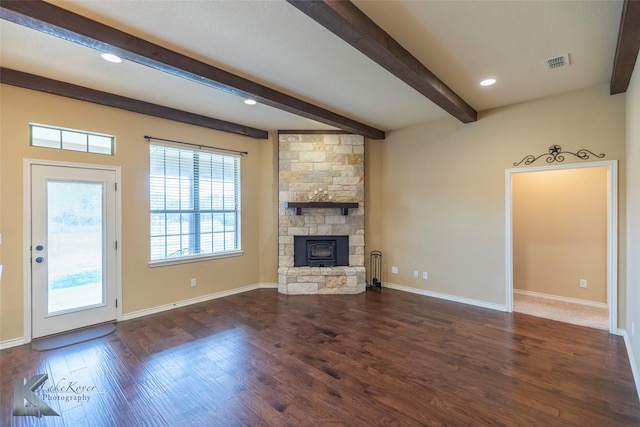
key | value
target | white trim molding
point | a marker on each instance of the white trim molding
(140, 313)
(26, 235)
(562, 299)
(447, 297)
(632, 361)
(612, 231)
(267, 286)
(12, 343)
(196, 300)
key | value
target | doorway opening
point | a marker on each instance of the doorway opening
(72, 262)
(561, 240)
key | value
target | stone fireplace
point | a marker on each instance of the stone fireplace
(330, 230)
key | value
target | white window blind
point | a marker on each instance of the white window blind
(195, 203)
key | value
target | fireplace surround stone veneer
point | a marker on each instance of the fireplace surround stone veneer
(335, 163)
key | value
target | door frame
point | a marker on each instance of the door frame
(26, 227)
(612, 231)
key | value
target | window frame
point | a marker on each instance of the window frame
(61, 140)
(195, 210)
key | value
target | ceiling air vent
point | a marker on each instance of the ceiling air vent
(556, 62)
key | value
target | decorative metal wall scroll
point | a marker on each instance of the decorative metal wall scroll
(555, 154)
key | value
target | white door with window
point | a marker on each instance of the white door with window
(73, 247)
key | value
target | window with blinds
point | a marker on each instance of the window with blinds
(195, 203)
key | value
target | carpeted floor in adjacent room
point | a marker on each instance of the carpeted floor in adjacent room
(562, 311)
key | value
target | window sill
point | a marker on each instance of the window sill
(197, 258)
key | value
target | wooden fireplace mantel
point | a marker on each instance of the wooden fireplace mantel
(343, 206)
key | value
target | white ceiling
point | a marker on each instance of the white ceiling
(276, 45)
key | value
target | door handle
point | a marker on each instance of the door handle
(39, 259)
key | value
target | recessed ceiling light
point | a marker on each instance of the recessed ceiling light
(250, 101)
(487, 82)
(111, 57)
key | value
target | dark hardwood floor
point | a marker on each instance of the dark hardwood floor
(379, 358)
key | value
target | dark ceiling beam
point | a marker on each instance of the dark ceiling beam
(62, 23)
(349, 23)
(56, 87)
(627, 47)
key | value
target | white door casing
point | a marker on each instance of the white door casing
(72, 263)
(612, 232)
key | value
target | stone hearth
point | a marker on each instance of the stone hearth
(334, 163)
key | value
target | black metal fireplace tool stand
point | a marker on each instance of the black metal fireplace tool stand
(375, 271)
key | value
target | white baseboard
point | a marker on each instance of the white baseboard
(478, 303)
(267, 286)
(454, 298)
(203, 298)
(11, 343)
(632, 360)
(134, 314)
(562, 299)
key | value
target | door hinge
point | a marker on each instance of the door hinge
(116, 186)
(116, 245)
(116, 303)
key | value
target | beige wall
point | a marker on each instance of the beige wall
(443, 187)
(1, 179)
(434, 194)
(633, 213)
(373, 197)
(269, 210)
(142, 287)
(559, 221)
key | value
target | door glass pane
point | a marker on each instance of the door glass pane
(75, 228)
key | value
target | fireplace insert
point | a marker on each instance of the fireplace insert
(321, 251)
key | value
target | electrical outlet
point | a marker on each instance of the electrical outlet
(193, 283)
(415, 274)
(583, 283)
(394, 270)
(425, 275)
